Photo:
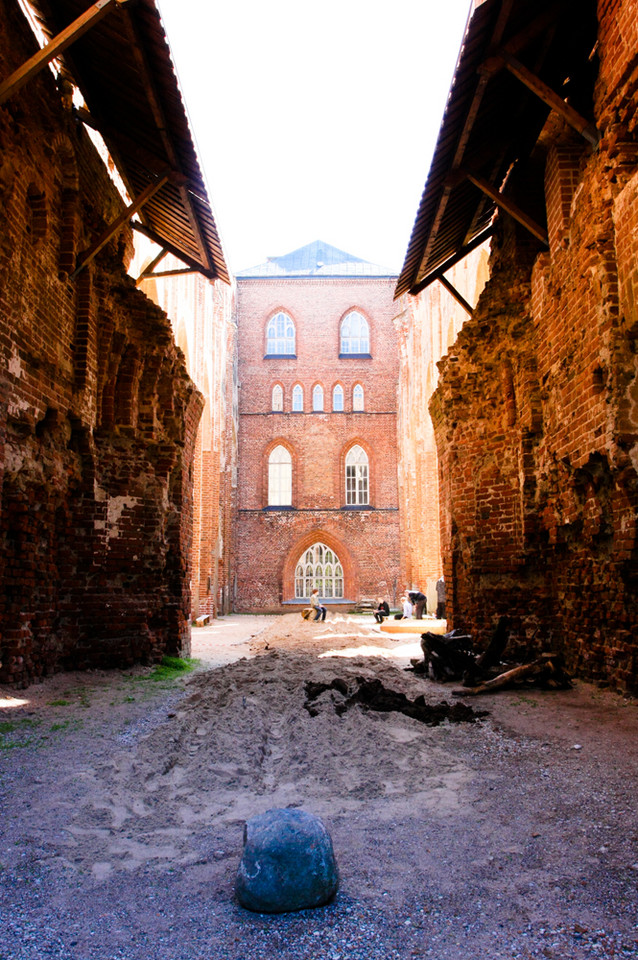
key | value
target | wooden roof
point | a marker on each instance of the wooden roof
(492, 121)
(123, 68)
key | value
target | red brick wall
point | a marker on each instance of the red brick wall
(269, 542)
(535, 414)
(97, 414)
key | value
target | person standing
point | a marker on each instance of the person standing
(440, 598)
(419, 601)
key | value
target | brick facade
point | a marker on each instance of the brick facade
(98, 416)
(535, 412)
(202, 315)
(269, 542)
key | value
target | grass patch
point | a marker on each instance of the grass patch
(166, 671)
(23, 726)
(59, 703)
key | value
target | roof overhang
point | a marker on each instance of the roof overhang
(519, 60)
(123, 68)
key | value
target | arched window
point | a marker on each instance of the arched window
(317, 398)
(355, 334)
(319, 567)
(278, 397)
(280, 336)
(337, 398)
(280, 478)
(297, 397)
(356, 476)
(357, 397)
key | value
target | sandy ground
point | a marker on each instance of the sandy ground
(123, 802)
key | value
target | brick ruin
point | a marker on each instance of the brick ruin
(536, 410)
(98, 416)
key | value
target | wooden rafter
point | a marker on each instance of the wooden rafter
(162, 126)
(453, 260)
(552, 99)
(147, 271)
(505, 203)
(113, 227)
(180, 254)
(55, 47)
(455, 293)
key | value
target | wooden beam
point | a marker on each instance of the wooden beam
(177, 272)
(461, 254)
(509, 206)
(180, 254)
(455, 293)
(552, 99)
(112, 229)
(151, 266)
(59, 43)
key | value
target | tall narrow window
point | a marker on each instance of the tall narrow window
(355, 334)
(280, 336)
(280, 478)
(297, 398)
(319, 567)
(278, 397)
(317, 398)
(337, 398)
(356, 476)
(357, 397)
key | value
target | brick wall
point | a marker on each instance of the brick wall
(535, 413)
(269, 542)
(97, 414)
(202, 315)
(427, 325)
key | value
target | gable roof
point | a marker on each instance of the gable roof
(123, 68)
(317, 259)
(492, 121)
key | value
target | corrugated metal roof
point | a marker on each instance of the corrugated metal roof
(491, 120)
(317, 259)
(122, 66)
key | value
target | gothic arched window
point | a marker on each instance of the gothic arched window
(280, 336)
(280, 478)
(356, 476)
(319, 567)
(355, 334)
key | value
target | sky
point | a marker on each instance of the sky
(315, 122)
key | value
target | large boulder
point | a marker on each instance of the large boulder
(288, 863)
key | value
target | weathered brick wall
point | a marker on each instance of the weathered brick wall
(97, 414)
(536, 411)
(269, 542)
(202, 315)
(427, 325)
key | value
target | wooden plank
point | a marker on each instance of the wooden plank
(452, 261)
(151, 266)
(56, 46)
(551, 98)
(157, 238)
(455, 293)
(509, 206)
(112, 229)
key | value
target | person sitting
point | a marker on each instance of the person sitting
(407, 609)
(320, 610)
(383, 610)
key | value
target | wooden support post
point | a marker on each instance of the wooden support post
(551, 98)
(59, 43)
(452, 261)
(509, 206)
(145, 274)
(455, 293)
(178, 272)
(112, 229)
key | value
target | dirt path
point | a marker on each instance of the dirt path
(124, 799)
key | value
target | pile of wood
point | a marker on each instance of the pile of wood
(452, 657)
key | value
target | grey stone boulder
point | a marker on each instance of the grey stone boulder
(288, 863)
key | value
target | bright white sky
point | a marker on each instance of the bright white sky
(315, 122)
